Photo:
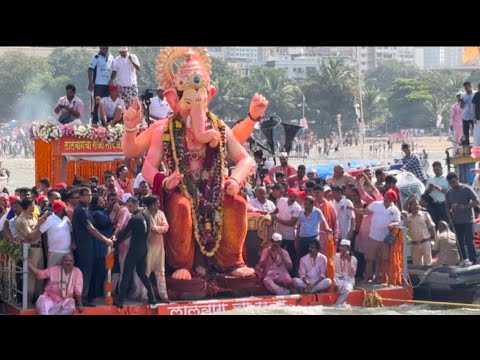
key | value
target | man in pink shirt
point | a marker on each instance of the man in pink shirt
(65, 285)
(284, 167)
(298, 181)
(274, 267)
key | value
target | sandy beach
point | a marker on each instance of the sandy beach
(23, 170)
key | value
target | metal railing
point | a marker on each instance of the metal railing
(13, 269)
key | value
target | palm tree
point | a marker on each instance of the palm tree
(282, 93)
(331, 91)
(374, 104)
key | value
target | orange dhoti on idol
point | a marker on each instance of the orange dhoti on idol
(201, 202)
(180, 242)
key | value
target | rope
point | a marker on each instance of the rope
(434, 302)
(371, 299)
(422, 280)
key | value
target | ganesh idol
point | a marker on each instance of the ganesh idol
(202, 205)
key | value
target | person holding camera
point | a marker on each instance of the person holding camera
(69, 107)
(124, 73)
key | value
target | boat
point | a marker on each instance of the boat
(446, 283)
(211, 306)
(201, 295)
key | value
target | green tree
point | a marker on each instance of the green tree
(383, 76)
(331, 91)
(442, 87)
(71, 65)
(374, 105)
(407, 104)
(16, 71)
(232, 100)
(282, 93)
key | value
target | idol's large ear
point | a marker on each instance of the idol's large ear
(172, 98)
(212, 91)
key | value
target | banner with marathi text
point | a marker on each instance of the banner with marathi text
(76, 146)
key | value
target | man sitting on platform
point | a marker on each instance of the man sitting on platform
(111, 108)
(312, 271)
(274, 267)
(65, 285)
(345, 270)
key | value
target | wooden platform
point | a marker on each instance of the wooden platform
(203, 307)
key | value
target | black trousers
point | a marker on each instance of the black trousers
(84, 260)
(97, 284)
(438, 212)
(304, 244)
(135, 260)
(102, 91)
(466, 130)
(464, 234)
(289, 245)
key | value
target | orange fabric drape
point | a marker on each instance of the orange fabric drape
(470, 53)
(395, 273)
(330, 246)
(86, 169)
(49, 164)
(48, 161)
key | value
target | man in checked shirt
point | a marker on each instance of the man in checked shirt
(411, 163)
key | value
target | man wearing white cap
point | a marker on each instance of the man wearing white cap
(274, 267)
(124, 73)
(345, 269)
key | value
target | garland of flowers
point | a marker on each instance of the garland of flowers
(50, 132)
(109, 262)
(210, 200)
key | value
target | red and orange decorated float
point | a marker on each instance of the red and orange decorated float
(65, 151)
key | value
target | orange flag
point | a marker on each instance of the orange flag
(470, 53)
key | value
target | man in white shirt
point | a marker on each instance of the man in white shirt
(58, 229)
(312, 270)
(385, 217)
(111, 108)
(69, 107)
(285, 220)
(345, 214)
(124, 74)
(345, 269)
(159, 107)
(261, 204)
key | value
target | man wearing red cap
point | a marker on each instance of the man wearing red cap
(385, 217)
(111, 108)
(60, 185)
(58, 229)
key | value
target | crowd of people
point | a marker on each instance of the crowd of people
(113, 82)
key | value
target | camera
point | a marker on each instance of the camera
(146, 95)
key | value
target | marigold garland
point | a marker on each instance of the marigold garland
(331, 261)
(109, 262)
(175, 150)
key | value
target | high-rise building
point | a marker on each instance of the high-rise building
(442, 57)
